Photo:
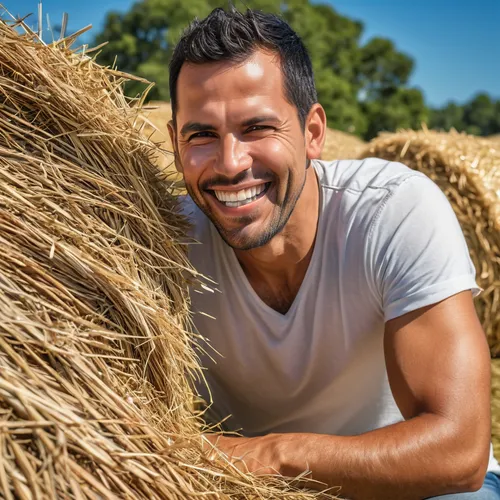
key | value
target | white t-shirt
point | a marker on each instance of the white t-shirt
(388, 242)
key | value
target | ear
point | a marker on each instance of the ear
(173, 141)
(315, 131)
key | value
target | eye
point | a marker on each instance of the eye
(256, 128)
(201, 135)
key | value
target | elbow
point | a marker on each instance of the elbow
(469, 475)
(474, 480)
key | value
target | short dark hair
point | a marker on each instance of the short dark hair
(235, 36)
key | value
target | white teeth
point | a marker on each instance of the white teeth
(239, 198)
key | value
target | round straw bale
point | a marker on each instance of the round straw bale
(152, 122)
(340, 145)
(495, 139)
(467, 169)
(96, 362)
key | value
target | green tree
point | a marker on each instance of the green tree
(383, 69)
(496, 121)
(333, 44)
(479, 116)
(356, 84)
(141, 40)
(403, 108)
(447, 117)
(387, 102)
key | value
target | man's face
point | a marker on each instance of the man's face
(240, 147)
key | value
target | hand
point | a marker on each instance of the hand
(258, 455)
(272, 454)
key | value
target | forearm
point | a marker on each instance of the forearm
(411, 460)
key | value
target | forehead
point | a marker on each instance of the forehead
(255, 81)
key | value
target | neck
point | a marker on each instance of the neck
(286, 257)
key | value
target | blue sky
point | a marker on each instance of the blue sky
(455, 43)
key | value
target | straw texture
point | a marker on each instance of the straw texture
(96, 361)
(153, 121)
(341, 146)
(467, 169)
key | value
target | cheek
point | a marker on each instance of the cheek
(200, 154)
(195, 161)
(270, 155)
(282, 150)
(279, 156)
(277, 147)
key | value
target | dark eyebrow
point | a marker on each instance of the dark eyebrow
(190, 127)
(195, 127)
(259, 119)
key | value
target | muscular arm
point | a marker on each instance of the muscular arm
(438, 366)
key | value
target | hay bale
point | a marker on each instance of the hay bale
(152, 123)
(340, 145)
(467, 169)
(96, 363)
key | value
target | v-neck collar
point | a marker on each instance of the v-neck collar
(242, 278)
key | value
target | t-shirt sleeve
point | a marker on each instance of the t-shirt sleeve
(418, 252)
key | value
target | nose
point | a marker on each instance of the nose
(233, 156)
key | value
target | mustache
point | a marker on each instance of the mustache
(222, 180)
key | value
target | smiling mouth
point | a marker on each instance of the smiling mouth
(234, 199)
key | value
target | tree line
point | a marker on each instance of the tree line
(364, 88)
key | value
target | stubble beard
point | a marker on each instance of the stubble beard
(234, 239)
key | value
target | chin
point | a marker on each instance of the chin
(246, 240)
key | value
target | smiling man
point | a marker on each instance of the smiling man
(342, 314)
